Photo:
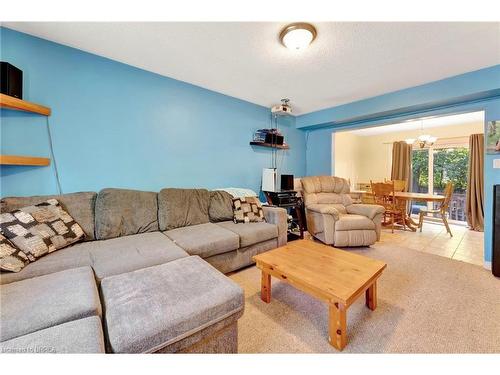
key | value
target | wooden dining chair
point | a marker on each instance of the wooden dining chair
(441, 210)
(384, 195)
(399, 185)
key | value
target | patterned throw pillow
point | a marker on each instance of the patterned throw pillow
(11, 258)
(40, 229)
(247, 210)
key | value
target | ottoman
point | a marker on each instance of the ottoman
(78, 336)
(31, 305)
(182, 306)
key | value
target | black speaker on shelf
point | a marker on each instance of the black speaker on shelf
(274, 139)
(495, 261)
(11, 80)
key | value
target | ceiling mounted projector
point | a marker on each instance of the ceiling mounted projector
(282, 109)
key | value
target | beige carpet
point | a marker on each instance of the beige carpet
(427, 304)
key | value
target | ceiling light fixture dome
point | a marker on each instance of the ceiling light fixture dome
(298, 36)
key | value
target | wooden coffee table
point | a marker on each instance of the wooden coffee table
(336, 276)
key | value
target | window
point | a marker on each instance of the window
(420, 176)
(434, 167)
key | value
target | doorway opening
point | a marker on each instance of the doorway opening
(365, 155)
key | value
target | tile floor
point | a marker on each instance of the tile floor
(465, 245)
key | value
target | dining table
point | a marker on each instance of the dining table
(420, 197)
(408, 197)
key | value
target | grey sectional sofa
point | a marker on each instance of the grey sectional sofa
(148, 276)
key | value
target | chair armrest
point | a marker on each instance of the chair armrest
(277, 216)
(324, 209)
(368, 210)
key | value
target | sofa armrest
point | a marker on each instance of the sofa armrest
(368, 210)
(279, 217)
(324, 209)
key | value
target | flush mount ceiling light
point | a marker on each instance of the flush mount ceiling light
(298, 36)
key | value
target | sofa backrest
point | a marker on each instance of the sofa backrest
(326, 190)
(122, 212)
(221, 206)
(113, 212)
(182, 207)
(79, 205)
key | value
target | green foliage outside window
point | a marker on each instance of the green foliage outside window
(420, 166)
(449, 165)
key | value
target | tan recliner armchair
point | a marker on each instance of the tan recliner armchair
(333, 218)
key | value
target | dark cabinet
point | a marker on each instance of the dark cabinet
(495, 262)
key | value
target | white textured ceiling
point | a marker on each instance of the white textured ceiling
(347, 61)
(427, 123)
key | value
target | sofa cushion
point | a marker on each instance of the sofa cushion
(130, 253)
(247, 210)
(73, 256)
(42, 302)
(221, 206)
(204, 239)
(182, 207)
(172, 301)
(353, 222)
(40, 229)
(78, 336)
(251, 233)
(106, 257)
(121, 212)
(11, 258)
(235, 260)
(79, 205)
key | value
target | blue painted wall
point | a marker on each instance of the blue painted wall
(459, 96)
(319, 152)
(114, 125)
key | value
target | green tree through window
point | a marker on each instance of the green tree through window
(451, 164)
(448, 165)
(420, 166)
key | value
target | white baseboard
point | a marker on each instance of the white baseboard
(487, 265)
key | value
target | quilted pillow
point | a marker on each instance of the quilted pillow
(40, 229)
(247, 210)
(11, 258)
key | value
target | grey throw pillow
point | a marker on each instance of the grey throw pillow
(11, 258)
(123, 212)
(40, 229)
(221, 206)
(182, 207)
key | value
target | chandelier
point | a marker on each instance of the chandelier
(423, 140)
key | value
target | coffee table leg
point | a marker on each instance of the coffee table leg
(371, 296)
(337, 330)
(265, 289)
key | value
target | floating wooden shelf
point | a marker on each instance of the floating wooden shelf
(23, 160)
(281, 147)
(10, 102)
